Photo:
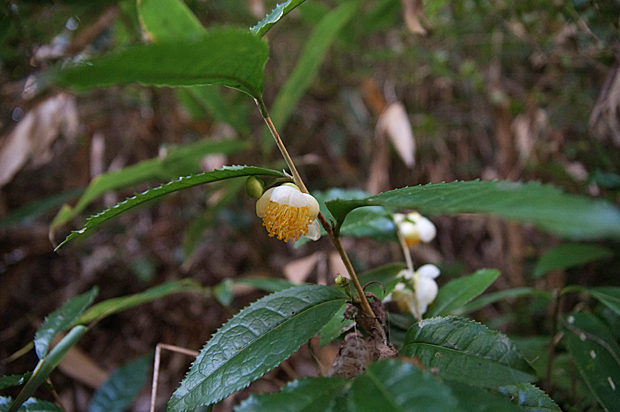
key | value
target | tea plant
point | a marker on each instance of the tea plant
(429, 357)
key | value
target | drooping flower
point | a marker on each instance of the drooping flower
(415, 228)
(288, 213)
(416, 290)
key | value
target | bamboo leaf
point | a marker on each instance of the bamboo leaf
(545, 206)
(62, 319)
(596, 355)
(230, 57)
(117, 393)
(569, 255)
(303, 395)
(275, 16)
(467, 352)
(167, 20)
(486, 300)
(254, 341)
(115, 305)
(608, 296)
(227, 172)
(458, 292)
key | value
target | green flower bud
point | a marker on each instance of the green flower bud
(254, 187)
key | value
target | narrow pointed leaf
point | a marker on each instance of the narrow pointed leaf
(115, 305)
(485, 300)
(530, 398)
(458, 292)
(272, 18)
(303, 395)
(228, 57)
(569, 255)
(545, 206)
(179, 161)
(117, 393)
(309, 62)
(167, 20)
(467, 352)
(31, 405)
(181, 183)
(47, 365)
(395, 386)
(254, 341)
(608, 296)
(62, 319)
(596, 355)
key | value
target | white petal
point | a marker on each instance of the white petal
(414, 217)
(313, 205)
(287, 195)
(427, 229)
(263, 203)
(428, 271)
(398, 218)
(426, 292)
(405, 274)
(409, 230)
(314, 231)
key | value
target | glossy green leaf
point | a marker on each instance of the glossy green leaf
(31, 405)
(596, 355)
(62, 319)
(47, 365)
(115, 305)
(394, 386)
(227, 172)
(177, 162)
(9, 381)
(309, 62)
(334, 328)
(545, 206)
(230, 57)
(474, 399)
(254, 341)
(117, 393)
(303, 395)
(530, 398)
(272, 18)
(467, 352)
(486, 300)
(458, 292)
(569, 255)
(608, 296)
(165, 20)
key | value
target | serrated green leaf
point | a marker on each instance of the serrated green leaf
(9, 381)
(177, 162)
(486, 300)
(309, 63)
(228, 172)
(530, 398)
(31, 405)
(608, 296)
(569, 255)
(115, 305)
(254, 341)
(334, 327)
(303, 395)
(474, 399)
(47, 365)
(467, 352)
(272, 18)
(62, 319)
(596, 355)
(458, 292)
(545, 206)
(394, 386)
(166, 20)
(117, 393)
(230, 57)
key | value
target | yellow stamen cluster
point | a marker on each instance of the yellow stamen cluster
(286, 222)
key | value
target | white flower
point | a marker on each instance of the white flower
(288, 213)
(415, 286)
(415, 228)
